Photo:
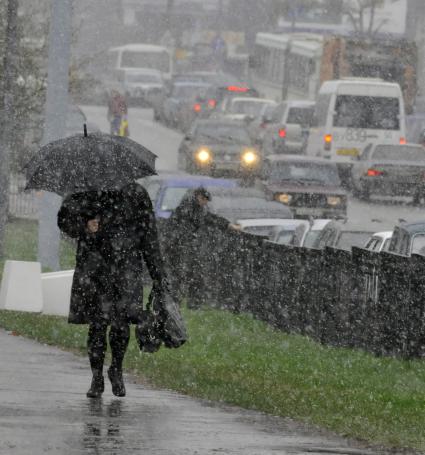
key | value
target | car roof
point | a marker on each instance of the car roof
(270, 222)
(384, 235)
(319, 224)
(191, 181)
(412, 146)
(298, 158)
(239, 208)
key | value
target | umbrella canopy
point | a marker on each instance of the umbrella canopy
(93, 162)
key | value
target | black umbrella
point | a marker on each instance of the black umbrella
(93, 162)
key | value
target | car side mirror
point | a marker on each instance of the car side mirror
(188, 137)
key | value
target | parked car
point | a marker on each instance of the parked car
(338, 235)
(182, 99)
(237, 204)
(288, 128)
(408, 239)
(394, 170)
(142, 87)
(380, 241)
(298, 232)
(218, 147)
(310, 187)
(167, 190)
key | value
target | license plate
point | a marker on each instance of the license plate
(227, 157)
(348, 152)
(309, 211)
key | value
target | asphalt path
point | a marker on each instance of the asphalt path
(379, 214)
(44, 410)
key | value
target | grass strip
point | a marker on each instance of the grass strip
(239, 360)
(21, 240)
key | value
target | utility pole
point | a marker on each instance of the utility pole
(8, 113)
(55, 124)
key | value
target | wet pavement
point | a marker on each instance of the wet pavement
(43, 410)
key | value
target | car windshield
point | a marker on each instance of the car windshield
(247, 107)
(369, 112)
(300, 115)
(418, 244)
(172, 198)
(310, 238)
(143, 78)
(303, 172)
(222, 133)
(399, 153)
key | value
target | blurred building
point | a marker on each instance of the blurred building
(388, 18)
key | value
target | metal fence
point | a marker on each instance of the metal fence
(359, 299)
(22, 204)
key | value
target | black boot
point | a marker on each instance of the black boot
(97, 387)
(117, 381)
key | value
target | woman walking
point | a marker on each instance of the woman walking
(115, 231)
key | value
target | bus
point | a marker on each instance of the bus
(141, 56)
(353, 112)
(294, 66)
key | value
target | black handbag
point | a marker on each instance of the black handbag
(174, 333)
(149, 328)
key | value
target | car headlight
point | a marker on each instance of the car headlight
(334, 200)
(284, 198)
(203, 155)
(250, 157)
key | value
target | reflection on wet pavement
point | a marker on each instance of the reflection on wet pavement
(43, 409)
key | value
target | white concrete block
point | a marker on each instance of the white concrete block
(21, 287)
(57, 292)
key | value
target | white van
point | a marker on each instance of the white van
(141, 57)
(354, 112)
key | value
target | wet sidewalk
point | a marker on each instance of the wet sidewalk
(44, 410)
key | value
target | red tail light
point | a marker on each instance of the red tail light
(374, 173)
(212, 103)
(235, 88)
(197, 107)
(403, 141)
(282, 133)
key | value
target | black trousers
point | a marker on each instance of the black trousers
(119, 336)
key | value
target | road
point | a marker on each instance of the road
(377, 215)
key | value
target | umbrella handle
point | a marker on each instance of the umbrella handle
(85, 130)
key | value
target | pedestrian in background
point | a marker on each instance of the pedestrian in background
(118, 114)
(116, 231)
(190, 219)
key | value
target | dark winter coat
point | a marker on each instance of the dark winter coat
(108, 273)
(184, 232)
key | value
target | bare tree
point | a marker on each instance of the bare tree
(362, 15)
